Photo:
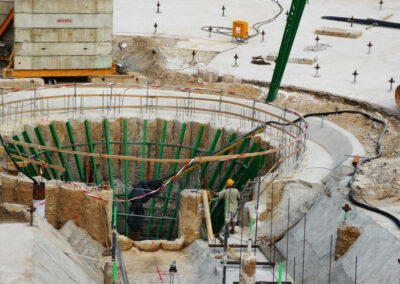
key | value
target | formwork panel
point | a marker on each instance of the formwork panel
(65, 48)
(2, 18)
(63, 35)
(62, 62)
(64, 6)
(5, 7)
(60, 21)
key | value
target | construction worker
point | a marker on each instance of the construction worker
(136, 219)
(231, 196)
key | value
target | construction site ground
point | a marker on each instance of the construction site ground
(381, 184)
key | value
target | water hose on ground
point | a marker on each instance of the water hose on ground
(363, 160)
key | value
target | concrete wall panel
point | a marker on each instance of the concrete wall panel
(74, 48)
(62, 62)
(63, 35)
(5, 7)
(64, 6)
(2, 18)
(63, 21)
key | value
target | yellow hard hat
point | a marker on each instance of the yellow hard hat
(230, 182)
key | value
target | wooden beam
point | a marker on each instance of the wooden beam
(207, 216)
(61, 169)
(7, 73)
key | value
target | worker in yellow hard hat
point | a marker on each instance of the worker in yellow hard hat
(231, 196)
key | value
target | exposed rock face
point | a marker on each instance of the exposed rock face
(346, 236)
(14, 212)
(191, 214)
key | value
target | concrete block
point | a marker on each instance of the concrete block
(231, 79)
(65, 48)
(299, 59)
(63, 35)
(5, 7)
(131, 78)
(64, 6)
(338, 32)
(210, 76)
(2, 18)
(60, 21)
(21, 83)
(62, 62)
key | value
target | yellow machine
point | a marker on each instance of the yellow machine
(240, 29)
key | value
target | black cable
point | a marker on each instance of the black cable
(228, 31)
(14, 162)
(368, 159)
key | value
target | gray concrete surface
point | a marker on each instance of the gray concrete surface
(62, 62)
(207, 266)
(62, 48)
(5, 7)
(62, 6)
(337, 141)
(37, 255)
(21, 83)
(29, 21)
(63, 35)
(377, 250)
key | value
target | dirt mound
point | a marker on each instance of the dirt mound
(14, 212)
(148, 245)
(346, 236)
(173, 245)
(64, 203)
(125, 243)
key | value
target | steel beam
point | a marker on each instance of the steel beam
(76, 156)
(177, 154)
(46, 152)
(91, 150)
(160, 155)
(183, 185)
(53, 132)
(35, 153)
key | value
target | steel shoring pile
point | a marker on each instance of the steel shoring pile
(296, 138)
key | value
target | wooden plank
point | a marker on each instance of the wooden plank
(326, 31)
(207, 216)
(61, 169)
(7, 73)
(153, 160)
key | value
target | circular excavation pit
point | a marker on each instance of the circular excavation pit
(109, 136)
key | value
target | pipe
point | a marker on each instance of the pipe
(355, 161)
